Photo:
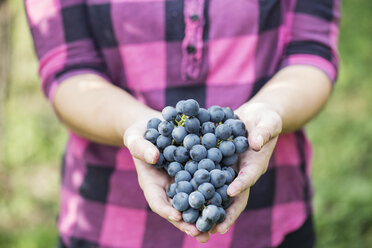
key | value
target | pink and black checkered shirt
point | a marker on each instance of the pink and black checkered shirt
(215, 51)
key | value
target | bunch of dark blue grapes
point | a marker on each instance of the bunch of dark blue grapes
(197, 147)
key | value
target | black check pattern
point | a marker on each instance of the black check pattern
(101, 24)
(96, 183)
(270, 15)
(75, 23)
(319, 8)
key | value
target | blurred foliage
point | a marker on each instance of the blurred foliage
(33, 141)
(342, 138)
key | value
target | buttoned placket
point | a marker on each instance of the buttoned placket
(192, 44)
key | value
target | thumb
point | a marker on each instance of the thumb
(139, 147)
(268, 127)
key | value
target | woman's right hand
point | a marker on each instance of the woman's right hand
(153, 181)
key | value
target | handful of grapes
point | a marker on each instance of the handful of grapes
(197, 147)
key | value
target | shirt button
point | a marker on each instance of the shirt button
(194, 17)
(190, 49)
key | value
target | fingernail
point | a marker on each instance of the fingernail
(260, 140)
(225, 231)
(150, 156)
(172, 218)
(188, 233)
(232, 191)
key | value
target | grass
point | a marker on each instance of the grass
(32, 143)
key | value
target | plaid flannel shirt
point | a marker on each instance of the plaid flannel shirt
(161, 51)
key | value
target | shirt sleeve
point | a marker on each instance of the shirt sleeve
(63, 41)
(312, 36)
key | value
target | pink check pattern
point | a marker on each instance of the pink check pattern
(161, 51)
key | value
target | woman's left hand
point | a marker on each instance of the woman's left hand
(264, 125)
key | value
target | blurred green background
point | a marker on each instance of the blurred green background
(32, 140)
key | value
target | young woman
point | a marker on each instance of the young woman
(109, 66)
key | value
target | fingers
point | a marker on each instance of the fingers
(191, 230)
(139, 147)
(247, 177)
(158, 202)
(252, 166)
(262, 122)
(202, 237)
(233, 212)
(268, 127)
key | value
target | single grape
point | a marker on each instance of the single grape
(151, 135)
(173, 168)
(216, 200)
(228, 176)
(231, 171)
(192, 125)
(165, 128)
(223, 193)
(168, 153)
(171, 190)
(241, 144)
(223, 131)
(153, 123)
(229, 122)
(190, 107)
(211, 213)
(163, 141)
(231, 160)
(169, 113)
(190, 215)
(229, 113)
(178, 134)
(160, 162)
(198, 152)
(215, 155)
(179, 106)
(190, 140)
(203, 115)
(203, 225)
(184, 186)
(191, 166)
(216, 113)
(218, 178)
(209, 140)
(227, 148)
(238, 128)
(182, 175)
(207, 190)
(202, 176)
(206, 164)
(222, 215)
(196, 200)
(181, 201)
(194, 184)
(207, 127)
(181, 154)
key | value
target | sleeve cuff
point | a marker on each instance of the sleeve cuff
(308, 59)
(50, 85)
